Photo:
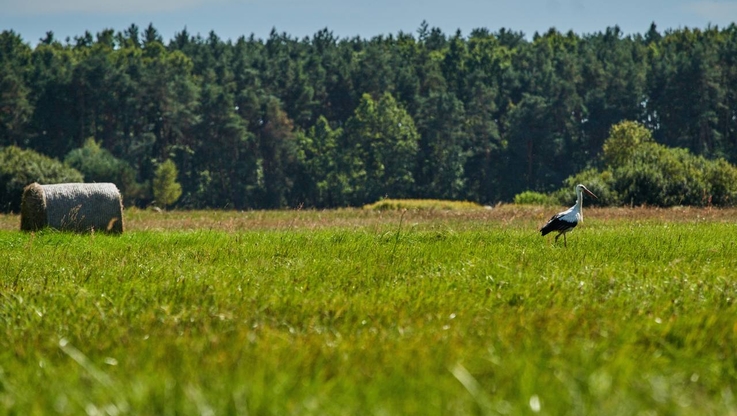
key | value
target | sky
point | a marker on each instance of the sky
(230, 19)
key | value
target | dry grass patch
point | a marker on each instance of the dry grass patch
(422, 205)
(501, 215)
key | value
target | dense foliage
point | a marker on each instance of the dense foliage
(99, 165)
(637, 171)
(19, 168)
(329, 122)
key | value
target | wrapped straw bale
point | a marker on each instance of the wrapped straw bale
(79, 207)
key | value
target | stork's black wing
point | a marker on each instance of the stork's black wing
(557, 223)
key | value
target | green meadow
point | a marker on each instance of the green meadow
(367, 312)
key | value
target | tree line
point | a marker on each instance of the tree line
(327, 122)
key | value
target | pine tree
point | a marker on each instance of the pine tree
(166, 189)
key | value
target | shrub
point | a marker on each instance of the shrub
(640, 184)
(598, 182)
(19, 168)
(421, 205)
(641, 172)
(99, 165)
(657, 175)
(723, 180)
(624, 139)
(534, 198)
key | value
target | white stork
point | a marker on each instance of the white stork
(567, 220)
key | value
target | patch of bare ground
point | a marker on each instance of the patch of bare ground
(498, 216)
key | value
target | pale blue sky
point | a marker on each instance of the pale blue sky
(345, 18)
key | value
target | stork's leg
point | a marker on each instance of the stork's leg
(556, 237)
(565, 241)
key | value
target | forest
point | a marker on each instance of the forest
(324, 122)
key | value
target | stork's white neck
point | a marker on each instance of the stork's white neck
(579, 202)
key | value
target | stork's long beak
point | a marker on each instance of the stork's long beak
(589, 192)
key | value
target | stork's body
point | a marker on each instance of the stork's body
(567, 220)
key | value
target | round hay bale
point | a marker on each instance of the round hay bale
(78, 207)
(33, 208)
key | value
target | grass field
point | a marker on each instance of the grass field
(373, 312)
